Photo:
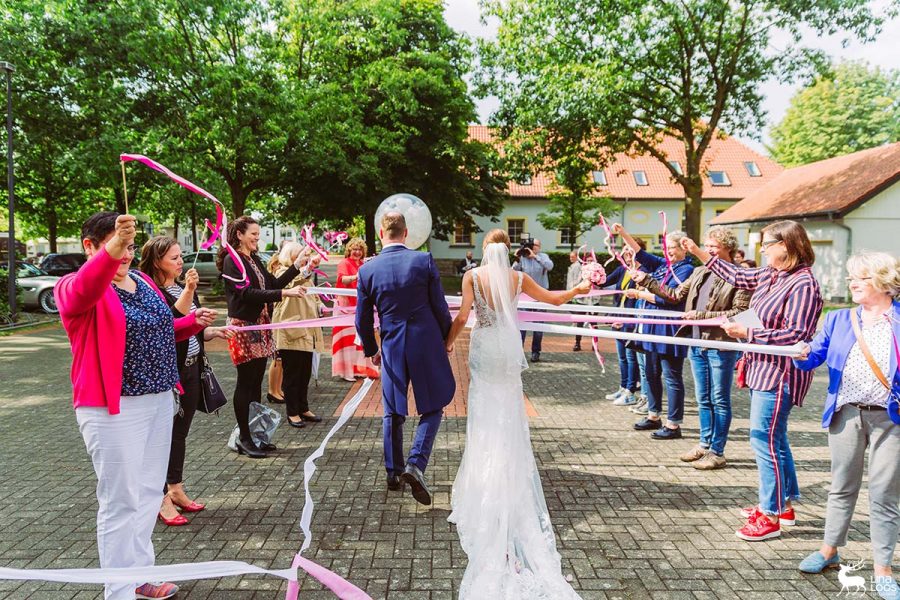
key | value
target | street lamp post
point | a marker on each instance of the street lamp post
(11, 247)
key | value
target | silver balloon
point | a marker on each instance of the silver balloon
(417, 215)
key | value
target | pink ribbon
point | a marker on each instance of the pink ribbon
(306, 234)
(610, 247)
(342, 588)
(221, 219)
(665, 245)
(335, 239)
(595, 346)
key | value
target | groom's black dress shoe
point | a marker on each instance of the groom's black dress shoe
(393, 482)
(416, 480)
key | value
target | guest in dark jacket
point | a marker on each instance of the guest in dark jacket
(251, 304)
(664, 363)
(161, 260)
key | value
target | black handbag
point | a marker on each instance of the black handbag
(212, 398)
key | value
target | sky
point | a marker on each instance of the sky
(884, 52)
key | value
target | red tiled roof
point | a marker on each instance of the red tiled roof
(725, 154)
(829, 187)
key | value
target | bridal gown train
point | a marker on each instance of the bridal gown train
(497, 501)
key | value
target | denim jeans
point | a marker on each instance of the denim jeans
(665, 368)
(713, 375)
(536, 337)
(629, 373)
(642, 370)
(769, 412)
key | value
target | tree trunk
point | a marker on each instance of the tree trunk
(370, 233)
(693, 207)
(175, 233)
(238, 199)
(52, 234)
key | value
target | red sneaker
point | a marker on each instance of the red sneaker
(758, 529)
(155, 591)
(788, 518)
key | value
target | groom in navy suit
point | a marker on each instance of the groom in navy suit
(405, 287)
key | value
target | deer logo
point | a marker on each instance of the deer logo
(848, 581)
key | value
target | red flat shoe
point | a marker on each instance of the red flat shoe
(177, 521)
(193, 507)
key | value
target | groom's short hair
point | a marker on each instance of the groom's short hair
(393, 224)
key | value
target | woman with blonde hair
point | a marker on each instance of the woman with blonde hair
(860, 347)
(348, 360)
(297, 344)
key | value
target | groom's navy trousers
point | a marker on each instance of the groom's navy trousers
(405, 287)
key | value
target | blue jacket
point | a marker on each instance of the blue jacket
(405, 287)
(832, 346)
(658, 269)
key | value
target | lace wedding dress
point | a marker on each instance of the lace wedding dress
(498, 503)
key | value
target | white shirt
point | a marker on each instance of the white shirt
(858, 382)
(393, 244)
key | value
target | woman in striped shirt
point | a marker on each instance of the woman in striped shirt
(787, 299)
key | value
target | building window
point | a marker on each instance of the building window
(676, 166)
(567, 236)
(462, 234)
(515, 228)
(524, 180)
(599, 177)
(719, 178)
(719, 211)
(752, 169)
(640, 178)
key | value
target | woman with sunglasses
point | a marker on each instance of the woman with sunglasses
(787, 299)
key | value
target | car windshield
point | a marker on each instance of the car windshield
(27, 270)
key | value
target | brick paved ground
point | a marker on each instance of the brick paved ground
(632, 522)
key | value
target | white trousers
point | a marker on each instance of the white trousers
(130, 452)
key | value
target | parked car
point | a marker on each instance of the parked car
(62, 264)
(206, 265)
(37, 287)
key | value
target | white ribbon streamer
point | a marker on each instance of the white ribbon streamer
(309, 467)
(790, 351)
(177, 572)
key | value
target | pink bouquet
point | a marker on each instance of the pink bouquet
(593, 272)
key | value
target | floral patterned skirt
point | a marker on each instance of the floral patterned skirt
(249, 345)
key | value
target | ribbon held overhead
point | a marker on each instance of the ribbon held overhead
(221, 220)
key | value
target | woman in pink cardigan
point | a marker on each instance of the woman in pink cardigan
(124, 372)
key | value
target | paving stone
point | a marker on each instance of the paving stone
(632, 521)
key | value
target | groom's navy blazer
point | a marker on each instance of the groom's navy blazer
(405, 287)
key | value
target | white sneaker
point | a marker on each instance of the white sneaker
(626, 399)
(615, 395)
(640, 407)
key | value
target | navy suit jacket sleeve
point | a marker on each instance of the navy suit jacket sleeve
(365, 316)
(436, 298)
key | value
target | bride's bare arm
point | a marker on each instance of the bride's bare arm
(468, 297)
(531, 287)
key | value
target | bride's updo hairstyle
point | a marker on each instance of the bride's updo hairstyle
(496, 236)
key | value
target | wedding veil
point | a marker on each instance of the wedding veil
(502, 299)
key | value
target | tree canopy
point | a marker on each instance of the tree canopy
(850, 108)
(607, 76)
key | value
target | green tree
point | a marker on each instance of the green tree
(612, 76)
(846, 110)
(380, 86)
(573, 205)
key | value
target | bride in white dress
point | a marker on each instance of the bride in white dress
(498, 503)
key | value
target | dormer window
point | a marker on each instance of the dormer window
(676, 166)
(752, 169)
(719, 178)
(525, 180)
(640, 178)
(599, 177)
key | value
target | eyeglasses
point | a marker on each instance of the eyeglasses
(768, 243)
(131, 249)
